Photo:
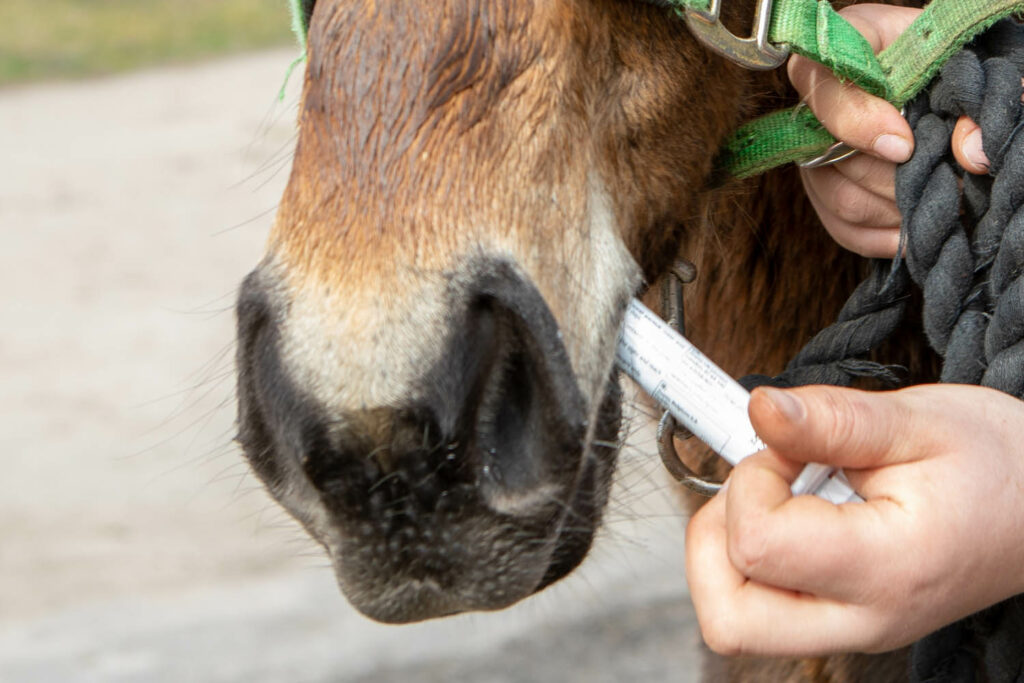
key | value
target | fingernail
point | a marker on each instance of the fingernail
(786, 403)
(973, 151)
(892, 147)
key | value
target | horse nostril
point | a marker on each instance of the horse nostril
(516, 390)
(483, 428)
(515, 417)
(507, 415)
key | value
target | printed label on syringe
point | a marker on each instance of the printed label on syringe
(704, 399)
(701, 396)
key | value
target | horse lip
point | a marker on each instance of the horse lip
(408, 601)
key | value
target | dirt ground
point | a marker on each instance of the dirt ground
(134, 544)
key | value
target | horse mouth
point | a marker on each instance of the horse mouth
(484, 487)
(472, 561)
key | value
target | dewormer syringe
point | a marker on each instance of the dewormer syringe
(703, 398)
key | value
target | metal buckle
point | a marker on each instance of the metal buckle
(754, 52)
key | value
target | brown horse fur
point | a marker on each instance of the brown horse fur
(573, 139)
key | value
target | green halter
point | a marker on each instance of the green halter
(300, 20)
(813, 29)
(301, 10)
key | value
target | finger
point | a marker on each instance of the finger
(872, 242)
(709, 574)
(879, 24)
(841, 427)
(967, 146)
(738, 616)
(707, 562)
(868, 123)
(779, 623)
(806, 544)
(875, 175)
(852, 202)
(863, 121)
(868, 242)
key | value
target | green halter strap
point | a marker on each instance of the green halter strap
(813, 29)
(300, 25)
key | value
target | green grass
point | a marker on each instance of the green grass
(42, 39)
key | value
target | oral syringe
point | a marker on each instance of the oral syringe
(704, 399)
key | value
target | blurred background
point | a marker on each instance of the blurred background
(143, 149)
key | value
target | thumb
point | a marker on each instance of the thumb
(834, 426)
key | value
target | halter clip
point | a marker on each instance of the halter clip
(754, 52)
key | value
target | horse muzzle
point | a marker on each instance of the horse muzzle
(476, 487)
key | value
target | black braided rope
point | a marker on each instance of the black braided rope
(834, 355)
(968, 258)
(964, 238)
(966, 252)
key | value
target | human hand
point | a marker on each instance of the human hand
(940, 536)
(856, 198)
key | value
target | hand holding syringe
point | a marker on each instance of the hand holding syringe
(704, 399)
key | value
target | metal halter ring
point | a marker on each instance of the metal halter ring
(833, 155)
(667, 429)
(679, 274)
(837, 151)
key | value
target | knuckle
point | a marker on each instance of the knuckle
(848, 117)
(875, 628)
(698, 529)
(860, 119)
(864, 23)
(875, 642)
(694, 537)
(853, 239)
(917, 401)
(843, 236)
(840, 419)
(700, 532)
(864, 170)
(747, 546)
(720, 637)
(883, 634)
(851, 203)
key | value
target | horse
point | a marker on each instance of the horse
(425, 353)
